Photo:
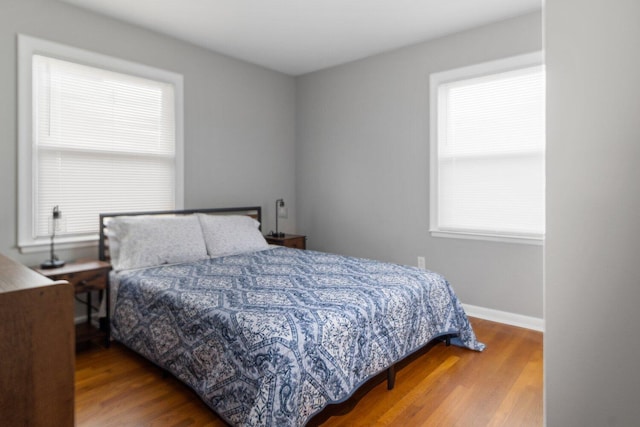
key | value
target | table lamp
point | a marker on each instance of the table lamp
(55, 224)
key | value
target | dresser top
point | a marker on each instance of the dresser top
(15, 276)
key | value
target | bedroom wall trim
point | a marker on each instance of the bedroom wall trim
(525, 229)
(28, 46)
(513, 319)
(77, 320)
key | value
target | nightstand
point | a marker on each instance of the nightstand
(86, 275)
(289, 240)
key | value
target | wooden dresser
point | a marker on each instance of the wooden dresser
(37, 348)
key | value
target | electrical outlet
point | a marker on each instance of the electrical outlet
(421, 263)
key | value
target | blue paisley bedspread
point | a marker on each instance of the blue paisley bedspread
(270, 338)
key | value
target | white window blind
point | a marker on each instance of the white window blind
(103, 141)
(490, 150)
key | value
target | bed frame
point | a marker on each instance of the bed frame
(254, 212)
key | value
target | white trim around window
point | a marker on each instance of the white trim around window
(461, 161)
(29, 239)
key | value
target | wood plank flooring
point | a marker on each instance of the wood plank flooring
(445, 386)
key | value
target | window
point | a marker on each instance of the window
(488, 150)
(97, 134)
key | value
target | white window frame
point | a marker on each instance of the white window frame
(29, 46)
(436, 79)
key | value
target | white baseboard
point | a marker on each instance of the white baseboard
(82, 319)
(512, 319)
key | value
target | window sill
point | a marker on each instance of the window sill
(522, 240)
(60, 244)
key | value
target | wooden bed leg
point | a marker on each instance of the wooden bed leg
(391, 377)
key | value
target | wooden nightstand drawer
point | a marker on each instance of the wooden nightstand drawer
(84, 281)
(289, 240)
(296, 242)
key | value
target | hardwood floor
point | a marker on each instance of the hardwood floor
(446, 386)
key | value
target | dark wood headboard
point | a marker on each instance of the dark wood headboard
(103, 248)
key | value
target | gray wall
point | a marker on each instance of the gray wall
(592, 255)
(239, 118)
(362, 166)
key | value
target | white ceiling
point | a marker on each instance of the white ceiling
(300, 36)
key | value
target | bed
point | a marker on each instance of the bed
(266, 336)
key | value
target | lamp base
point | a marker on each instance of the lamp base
(52, 263)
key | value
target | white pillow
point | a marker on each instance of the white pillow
(231, 234)
(145, 241)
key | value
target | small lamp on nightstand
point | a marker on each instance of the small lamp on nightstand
(280, 212)
(55, 224)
